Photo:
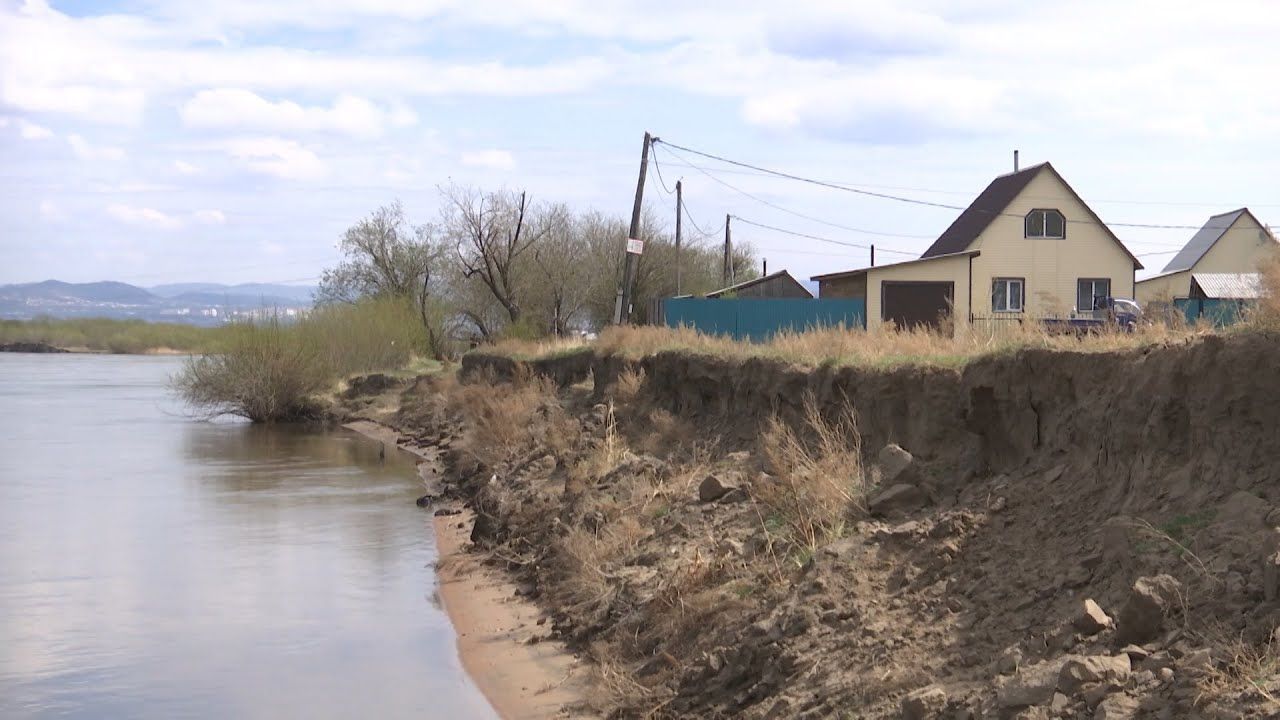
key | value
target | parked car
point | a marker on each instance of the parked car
(1123, 313)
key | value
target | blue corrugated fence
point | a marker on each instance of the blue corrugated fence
(758, 319)
(1219, 312)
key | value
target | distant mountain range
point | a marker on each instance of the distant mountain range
(198, 303)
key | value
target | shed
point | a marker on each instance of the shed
(774, 285)
(1226, 286)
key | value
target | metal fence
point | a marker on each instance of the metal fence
(1219, 313)
(758, 319)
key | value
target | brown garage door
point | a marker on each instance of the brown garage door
(916, 304)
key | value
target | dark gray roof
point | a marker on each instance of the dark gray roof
(985, 208)
(991, 203)
(779, 275)
(1204, 239)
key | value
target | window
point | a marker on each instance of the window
(1089, 290)
(1046, 224)
(1007, 294)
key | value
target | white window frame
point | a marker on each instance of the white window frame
(1009, 296)
(1044, 224)
(1093, 285)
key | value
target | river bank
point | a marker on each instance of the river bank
(1031, 534)
(501, 639)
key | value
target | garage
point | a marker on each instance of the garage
(916, 304)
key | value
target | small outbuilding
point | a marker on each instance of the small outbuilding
(1229, 245)
(774, 285)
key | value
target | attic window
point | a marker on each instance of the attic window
(1046, 224)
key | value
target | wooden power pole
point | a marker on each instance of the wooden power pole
(634, 244)
(679, 212)
(727, 271)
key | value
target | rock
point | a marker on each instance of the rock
(713, 487)
(1117, 707)
(900, 498)
(1058, 704)
(1091, 620)
(924, 704)
(444, 512)
(1136, 653)
(1080, 671)
(1166, 674)
(1032, 685)
(426, 500)
(1200, 659)
(893, 461)
(1009, 661)
(1150, 602)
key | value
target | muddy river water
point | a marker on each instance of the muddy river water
(154, 566)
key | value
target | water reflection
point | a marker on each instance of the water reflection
(151, 566)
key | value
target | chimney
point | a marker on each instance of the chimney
(765, 270)
(1015, 161)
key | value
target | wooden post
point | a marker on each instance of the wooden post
(629, 269)
(726, 273)
(679, 212)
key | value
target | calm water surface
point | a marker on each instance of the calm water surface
(152, 566)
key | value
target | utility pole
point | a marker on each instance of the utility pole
(679, 212)
(634, 246)
(726, 273)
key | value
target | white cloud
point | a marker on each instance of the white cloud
(277, 157)
(185, 168)
(32, 131)
(143, 217)
(209, 217)
(87, 151)
(493, 159)
(239, 108)
(50, 211)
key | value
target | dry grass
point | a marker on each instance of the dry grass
(818, 475)
(505, 420)
(589, 554)
(1246, 670)
(837, 346)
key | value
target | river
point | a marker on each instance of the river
(155, 566)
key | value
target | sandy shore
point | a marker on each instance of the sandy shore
(522, 680)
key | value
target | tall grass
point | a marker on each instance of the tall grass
(107, 335)
(839, 346)
(270, 370)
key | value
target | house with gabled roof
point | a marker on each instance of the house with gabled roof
(1230, 243)
(1027, 247)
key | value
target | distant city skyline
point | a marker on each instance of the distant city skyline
(152, 142)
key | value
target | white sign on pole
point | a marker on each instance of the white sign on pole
(635, 246)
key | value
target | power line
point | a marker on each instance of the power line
(658, 168)
(739, 218)
(789, 211)
(898, 198)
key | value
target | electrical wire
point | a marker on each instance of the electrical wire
(819, 238)
(654, 159)
(798, 214)
(897, 198)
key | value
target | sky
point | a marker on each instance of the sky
(155, 141)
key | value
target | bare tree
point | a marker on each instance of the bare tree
(490, 233)
(383, 255)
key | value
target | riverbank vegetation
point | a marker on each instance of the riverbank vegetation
(105, 335)
(273, 370)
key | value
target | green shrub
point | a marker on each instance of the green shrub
(267, 371)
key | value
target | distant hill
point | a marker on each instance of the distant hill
(294, 293)
(200, 303)
(106, 292)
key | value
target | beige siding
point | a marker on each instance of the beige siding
(1050, 268)
(845, 287)
(1237, 251)
(945, 269)
(1164, 288)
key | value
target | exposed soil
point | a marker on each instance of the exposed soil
(30, 347)
(1045, 534)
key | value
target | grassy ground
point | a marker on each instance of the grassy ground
(110, 336)
(848, 347)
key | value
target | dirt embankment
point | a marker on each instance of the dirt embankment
(1038, 535)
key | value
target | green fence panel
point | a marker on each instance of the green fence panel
(1218, 312)
(758, 319)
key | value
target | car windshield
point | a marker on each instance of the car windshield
(1127, 306)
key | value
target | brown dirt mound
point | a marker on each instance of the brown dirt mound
(1065, 535)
